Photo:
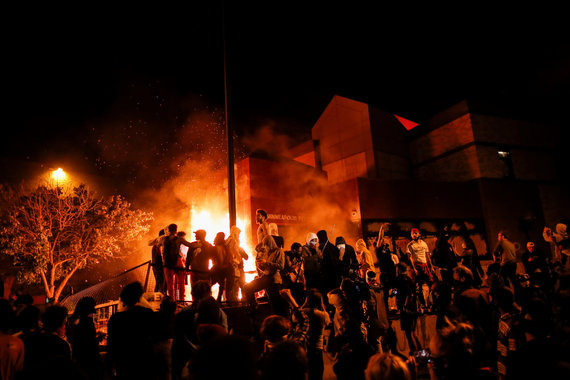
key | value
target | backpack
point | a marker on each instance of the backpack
(171, 252)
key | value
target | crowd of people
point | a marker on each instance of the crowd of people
(314, 301)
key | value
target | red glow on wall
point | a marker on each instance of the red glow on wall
(408, 124)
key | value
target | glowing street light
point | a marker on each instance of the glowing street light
(58, 175)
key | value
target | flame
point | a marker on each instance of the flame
(212, 223)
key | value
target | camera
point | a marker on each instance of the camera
(294, 256)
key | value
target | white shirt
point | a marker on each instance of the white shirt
(419, 251)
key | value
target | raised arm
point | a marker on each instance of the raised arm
(243, 254)
(185, 242)
(381, 233)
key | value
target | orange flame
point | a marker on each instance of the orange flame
(213, 223)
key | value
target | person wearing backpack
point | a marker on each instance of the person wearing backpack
(173, 263)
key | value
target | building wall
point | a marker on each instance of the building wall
(490, 165)
(347, 168)
(446, 138)
(391, 166)
(391, 149)
(412, 199)
(531, 146)
(555, 201)
(514, 206)
(511, 132)
(534, 165)
(467, 148)
(343, 131)
(461, 165)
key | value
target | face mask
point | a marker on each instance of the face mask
(341, 246)
(312, 243)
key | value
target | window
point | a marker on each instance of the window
(505, 158)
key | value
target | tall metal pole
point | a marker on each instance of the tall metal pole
(229, 130)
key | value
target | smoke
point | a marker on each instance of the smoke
(297, 197)
(266, 140)
(173, 162)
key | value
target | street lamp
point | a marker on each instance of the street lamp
(59, 178)
(58, 175)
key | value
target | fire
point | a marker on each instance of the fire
(213, 223)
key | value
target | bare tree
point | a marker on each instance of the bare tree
(52, 233)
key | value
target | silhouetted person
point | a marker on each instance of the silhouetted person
(51, 343)
(473, 307)
(237, 274)
(198, 257)
(11, 347)
(453, 356)
(315, 310)
(83, 338)
(28, 322)
(313, 261)
(407, 304)
(211, 320)
(157, 263)
(164, 338)
(347, 256)
(444, 256)
(185, 343)
(222, 270)
(223, 358)
(286, 361)
(173, 263)
(508, 254)
(130, 339)
(332, 266)
(353, 351)
(386, 366)
(471, 260)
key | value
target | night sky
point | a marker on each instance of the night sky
(100, 87)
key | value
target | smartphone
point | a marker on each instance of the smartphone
(422, 356)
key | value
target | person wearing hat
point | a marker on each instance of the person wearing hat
(347, 257)
(197, 258)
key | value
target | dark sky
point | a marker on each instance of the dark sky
(71, 75)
